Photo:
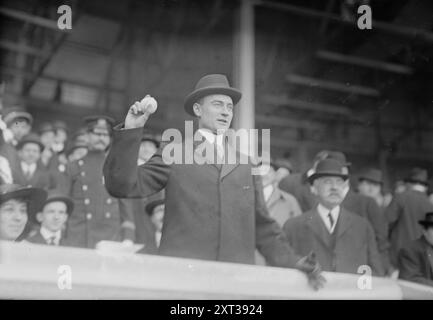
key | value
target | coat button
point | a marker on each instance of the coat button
(84, 187)
(83, 173)
(80, 162)
(107, 215)
(89, 216)
(86, 201)
(109, 201)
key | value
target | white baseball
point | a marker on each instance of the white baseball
(150, 104)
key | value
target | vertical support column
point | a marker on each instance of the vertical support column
(243, 68)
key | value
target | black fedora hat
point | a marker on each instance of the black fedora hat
(55, 195)
(329, 168)
(211, 84)
(34, 196)
(417, 175)
(428, 220)
(371, 175)
(30, 138)
(99, 121)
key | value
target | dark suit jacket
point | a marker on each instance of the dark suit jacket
(368, 208)
(42, 177)
(355, 244)
(39, 239)
(403, 214)
(414, 262)
(210, 213)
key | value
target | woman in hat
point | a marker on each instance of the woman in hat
(17, 205)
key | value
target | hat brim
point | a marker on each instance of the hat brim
(370, 180)
(202, 92)
(409, 180)
(68, 201)
(20, 144)
(315, 176)
(35, 196)
(8, 119)
(426, 224)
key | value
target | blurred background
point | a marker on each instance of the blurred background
(311, 75)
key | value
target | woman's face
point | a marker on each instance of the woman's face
(13, 219)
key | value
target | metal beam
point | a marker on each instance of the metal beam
(283, 100)
(332, 85)
(30, 18)
(29, 75)
(404, 31)
(364, 62)
(285, 122)
(22, 48)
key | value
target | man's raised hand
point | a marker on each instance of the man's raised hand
(139, 112)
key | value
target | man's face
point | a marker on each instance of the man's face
(282, 173)
(330, 190)
(53, 216)
(428, 234)
(61, 136)
(215, 112)
(30, 153)
(269, 176)
(99, 139)
(19, 128)
(77, 154)
(13, 219)
(369, 189)
(158, 216)
(47, 138)
(147, 149)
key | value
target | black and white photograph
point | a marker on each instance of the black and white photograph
(217, 155)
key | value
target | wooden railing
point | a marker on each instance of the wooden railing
(29, 271)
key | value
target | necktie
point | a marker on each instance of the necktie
(51, 241)
(331, 220)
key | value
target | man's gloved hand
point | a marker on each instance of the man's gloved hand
(311, 267)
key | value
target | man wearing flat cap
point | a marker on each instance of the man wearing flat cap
(415, 260)
(406, 209)
(341, 240)
(97, 215)
(18, 206)
(215, 210)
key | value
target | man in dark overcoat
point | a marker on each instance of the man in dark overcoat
(214, 210)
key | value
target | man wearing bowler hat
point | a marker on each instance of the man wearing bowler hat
(96, 216)
(406, 209)
(415, 261)
(341, 240)
(213, 211)
(52, 219)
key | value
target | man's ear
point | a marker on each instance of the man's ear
(197, 109)
(39, 217)
(313, 188)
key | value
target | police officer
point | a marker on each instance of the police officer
(97, 216)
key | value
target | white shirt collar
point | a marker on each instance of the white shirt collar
(26, 167)
(210, 137)
(47, 235)
(323, 212)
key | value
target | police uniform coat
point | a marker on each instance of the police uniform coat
(403, 214)
(211, 212)
(97, 215)
(351, 245)
(415, 262)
